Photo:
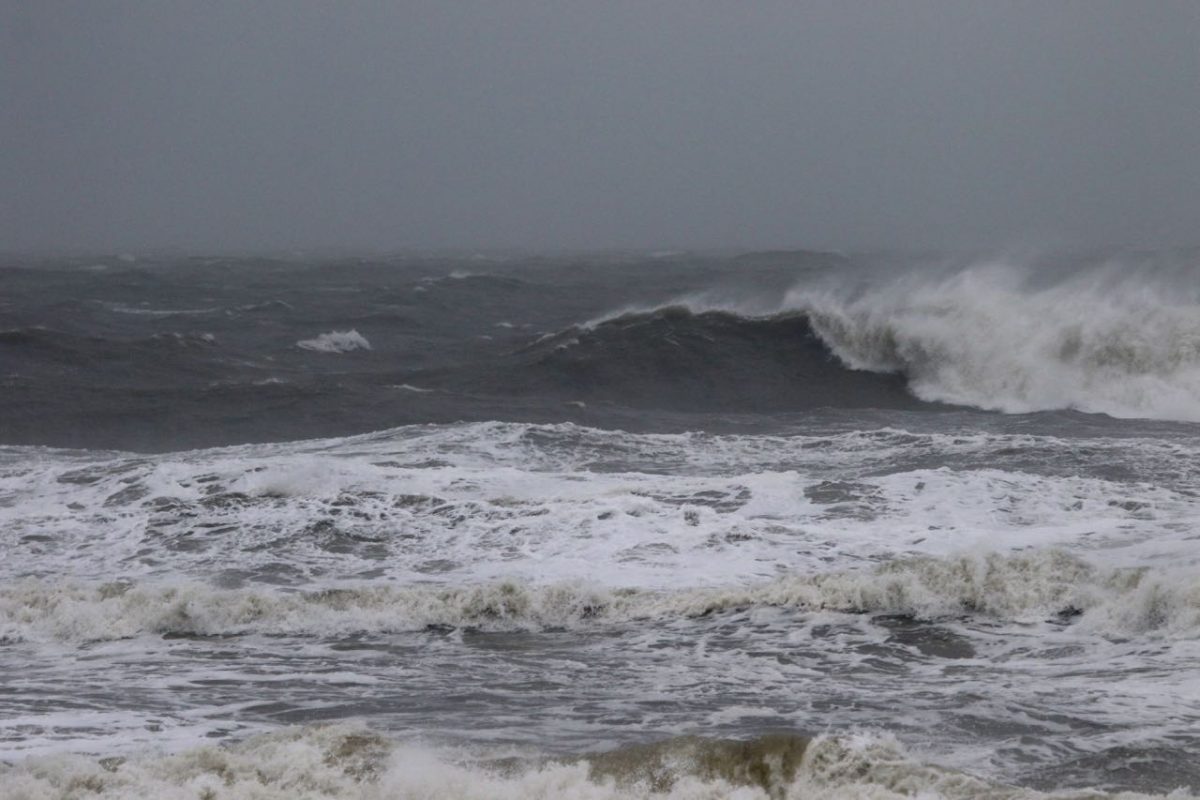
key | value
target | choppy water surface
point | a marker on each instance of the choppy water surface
(548, 542)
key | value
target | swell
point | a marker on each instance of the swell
(54, 345)
(39, 344)
(680, 359)
(1045, 585)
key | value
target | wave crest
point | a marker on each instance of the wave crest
(985, 337)
(994, 336)
(1032, 587)
(1123, 342)
(335, 342)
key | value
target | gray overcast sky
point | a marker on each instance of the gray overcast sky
(225, 124)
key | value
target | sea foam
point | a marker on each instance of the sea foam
(1107, 341)
(346, 761)
(1048, 585)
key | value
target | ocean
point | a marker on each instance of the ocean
(772, 525)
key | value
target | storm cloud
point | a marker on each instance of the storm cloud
(225, 125)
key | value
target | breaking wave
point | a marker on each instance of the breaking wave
(335, 342)
(347, 761)
(1109, 341)
(1101, 341)
(991, 337)
(1043, 585)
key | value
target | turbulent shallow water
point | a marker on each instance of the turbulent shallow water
(784, 525)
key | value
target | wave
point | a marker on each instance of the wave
(349, 761)
(48, 345)
(678, 358)
(468, 279)
(993, 336)
(142, 311)
(266, 305)
(1027, 588)
(185, 339)
(335, 342)
(1112, 340)
(37, 338)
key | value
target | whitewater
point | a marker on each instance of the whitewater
(781, 525)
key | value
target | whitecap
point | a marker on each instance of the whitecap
(336, 342)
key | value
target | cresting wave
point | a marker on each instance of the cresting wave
(1122, 343)
(703, 360)
(1111, 342)
(1047, 584)
(345, 761)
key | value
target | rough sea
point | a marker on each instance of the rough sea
(777, 525)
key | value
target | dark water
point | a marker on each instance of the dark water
(200, 352)
(787, 524)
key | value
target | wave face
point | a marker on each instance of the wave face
(702, 360)
(1110, 342)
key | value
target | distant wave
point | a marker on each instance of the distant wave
(144, 311)
(335, 342)
(1048, 584)
(468, 278)
(267, 305)
(17, 337)
(161, 312)
(185, 339)
(51, 345)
